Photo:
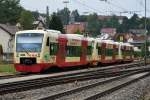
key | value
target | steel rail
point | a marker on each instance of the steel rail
(134, 64)
(78, 89)
(109, 91)
(42, 82)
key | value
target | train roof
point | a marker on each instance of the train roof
(52, 33)
(98, 40)
(74, 36)
(39, 31)
(108, 41)
(117, 43)
(31, 31)
(126, 44)
(90, 38)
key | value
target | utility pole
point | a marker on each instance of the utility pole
(47, 17)
(145, 57)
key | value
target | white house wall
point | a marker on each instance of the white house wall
(4, 39)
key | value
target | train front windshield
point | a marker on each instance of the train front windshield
(29, 42)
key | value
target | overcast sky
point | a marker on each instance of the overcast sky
(90, 6)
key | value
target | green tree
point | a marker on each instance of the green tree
(82, 18)
(134, 22)
(93, 24)
(56, 23)
(64, 15)
(26, 20)
(10, 11)
(124, 27)
(36, 14)
(78, 32)
(113, 22)
(76, 15)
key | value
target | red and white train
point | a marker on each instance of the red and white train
(38, 50)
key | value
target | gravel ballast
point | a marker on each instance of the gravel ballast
(42, 92)
(135, 91)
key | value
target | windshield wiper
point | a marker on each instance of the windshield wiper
(25, 51)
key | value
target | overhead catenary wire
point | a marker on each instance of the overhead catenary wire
(89, 7)
(123, 10)
(141, 3)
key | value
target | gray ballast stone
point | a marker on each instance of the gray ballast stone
(135, 91)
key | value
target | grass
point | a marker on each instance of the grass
(7, 68)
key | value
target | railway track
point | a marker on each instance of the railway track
(15, 75)
(62, 79)
(135, 64)
(78, 93)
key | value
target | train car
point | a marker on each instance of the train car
(127, 52)
(96, 54)
(90, 49)
(137, 53)
(75, 50)
(35, 50)
(105, 51)
(38, 50)
(118, 53)
(108, 52)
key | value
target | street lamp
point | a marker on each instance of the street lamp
(66, 2)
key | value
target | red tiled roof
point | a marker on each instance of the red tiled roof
(72, 28)
(108, 30)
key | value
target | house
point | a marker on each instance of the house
(138, 32)
(110, 31)
(134, 39)
(75, 27)
(7, 36)
(124, 37)
(39, 24)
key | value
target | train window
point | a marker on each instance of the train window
(99, 51)
(89, 50)
(97, 46)
(109, 52)
(73, 51)
(53, 48)
(116, 51)
(47, 42)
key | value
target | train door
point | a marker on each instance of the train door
(61, 52)
(132, 53)
(124, 53)
(103, 51)
(114, 54)
(83, 52)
